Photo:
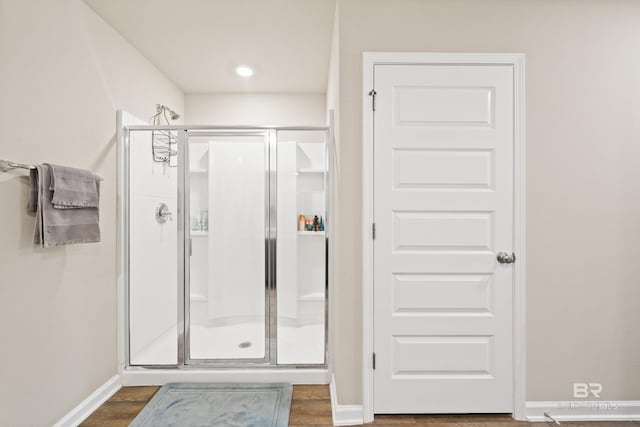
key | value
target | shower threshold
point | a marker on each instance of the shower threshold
(136, 376)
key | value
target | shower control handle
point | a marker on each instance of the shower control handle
(163, 213)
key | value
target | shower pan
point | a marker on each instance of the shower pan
(225, 248)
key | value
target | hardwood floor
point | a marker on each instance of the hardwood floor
(311, 406)
(121, 408)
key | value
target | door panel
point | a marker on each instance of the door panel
(443, 208)
(442, 293)
(443, 169)
(438, 355)
(438, 106)
(228, 315)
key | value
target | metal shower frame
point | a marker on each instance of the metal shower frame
(184, 241)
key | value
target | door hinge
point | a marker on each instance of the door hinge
(373, 230)
(372, 94)
(374, 361)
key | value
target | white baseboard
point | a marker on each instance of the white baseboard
(344, 415)
(91, 403)
(585, 410)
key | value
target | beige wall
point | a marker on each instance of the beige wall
(336, 301)
(257, 109)
(583, 179)
(63, 74)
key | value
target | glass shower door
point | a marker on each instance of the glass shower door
(227, 294)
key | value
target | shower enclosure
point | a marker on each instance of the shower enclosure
(225, 246)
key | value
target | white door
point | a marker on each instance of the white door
(443, 209)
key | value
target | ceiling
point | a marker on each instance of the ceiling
(198, 43)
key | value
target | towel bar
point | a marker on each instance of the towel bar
(6, 165)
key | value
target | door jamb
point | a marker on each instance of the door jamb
(370, 59)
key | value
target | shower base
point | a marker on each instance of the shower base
(297, 345)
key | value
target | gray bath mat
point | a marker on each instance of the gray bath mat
(217, 405)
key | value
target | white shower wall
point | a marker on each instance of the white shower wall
(153, 254)
(287, 238)
(232, 264)
(237, 227)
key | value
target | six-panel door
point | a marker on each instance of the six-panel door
(443, 208)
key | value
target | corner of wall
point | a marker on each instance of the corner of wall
(343, 415)
(91, 403)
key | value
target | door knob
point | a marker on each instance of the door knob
(506, 258)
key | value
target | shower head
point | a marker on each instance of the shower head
(162, 110)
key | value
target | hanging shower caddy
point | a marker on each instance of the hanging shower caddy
(164, 143)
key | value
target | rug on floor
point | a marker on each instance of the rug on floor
(217, 405)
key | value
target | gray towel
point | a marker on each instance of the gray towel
(73, 188)
(56, 227)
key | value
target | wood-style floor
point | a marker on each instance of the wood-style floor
(311, 406)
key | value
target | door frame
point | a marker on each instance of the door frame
(516, 60)
(270, 299)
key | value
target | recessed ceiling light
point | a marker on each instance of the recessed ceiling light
(244, 71)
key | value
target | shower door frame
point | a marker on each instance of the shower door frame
(270, 299)
(184, 362)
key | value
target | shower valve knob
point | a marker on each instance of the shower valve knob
(163, 213)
